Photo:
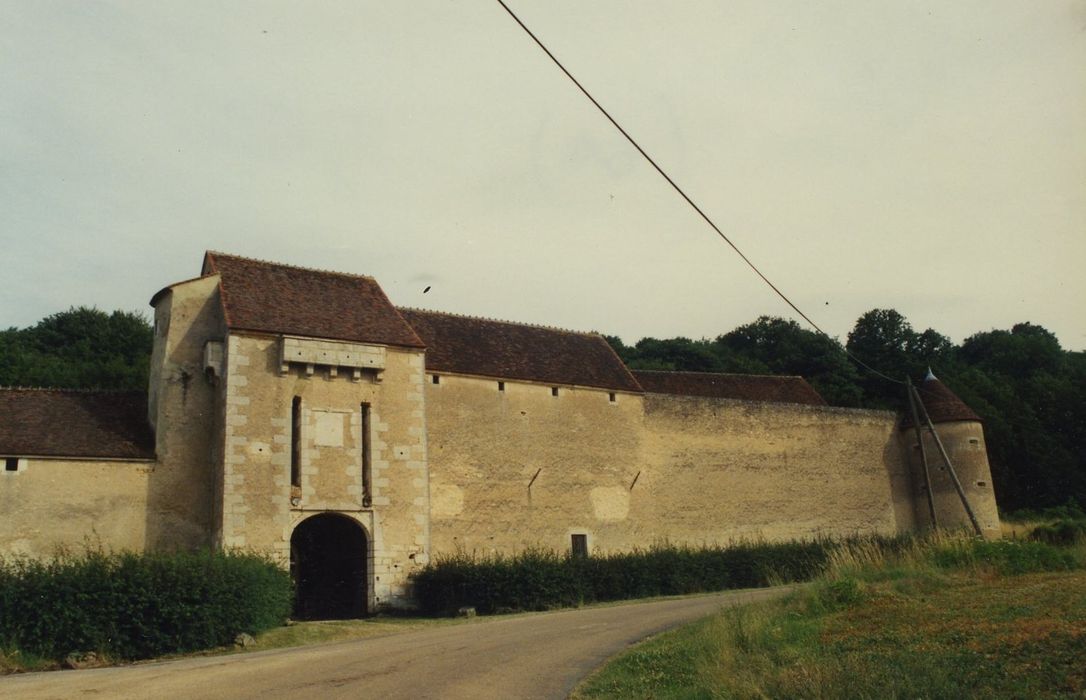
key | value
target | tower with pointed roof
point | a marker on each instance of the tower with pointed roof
(959, 432)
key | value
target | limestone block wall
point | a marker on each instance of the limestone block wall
(48, 504)
(720, 470)
(261, 508)
(650, 469)
(579, 451)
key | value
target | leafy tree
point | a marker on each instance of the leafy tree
(783, 347)
(78, 349)
(884, 341)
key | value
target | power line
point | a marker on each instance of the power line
(689, 201)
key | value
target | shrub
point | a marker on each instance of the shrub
(539, 579)
(135, 606)
(1061, 533)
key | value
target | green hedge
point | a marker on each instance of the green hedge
(539, 579)
(135, 606)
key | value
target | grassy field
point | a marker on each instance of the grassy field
(944, 619)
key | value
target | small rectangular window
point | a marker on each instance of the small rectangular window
(436, 379)
(554, 391)
(579, 545)
(296, 442)
(11, 464)
(501, 386)
(611, 397)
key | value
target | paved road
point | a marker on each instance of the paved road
(532, 656)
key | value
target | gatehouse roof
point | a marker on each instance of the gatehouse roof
(276, 298)
(73, 423)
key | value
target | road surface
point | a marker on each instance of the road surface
(529, 656)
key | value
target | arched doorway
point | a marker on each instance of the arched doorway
(328, 564)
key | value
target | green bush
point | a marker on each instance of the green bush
(135, 606)
(1061, 533)
(539, 579)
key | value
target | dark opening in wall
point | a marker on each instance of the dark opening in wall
(579, 545)
(11, 464)
(296, 442)
(501, 386)
(436, 379)
(328, 555)
(611, 397)
(554, 391)
(367, 496)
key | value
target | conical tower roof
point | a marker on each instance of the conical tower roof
(943, 405)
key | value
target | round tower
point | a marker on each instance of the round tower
(961, 433)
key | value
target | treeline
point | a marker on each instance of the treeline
(78, 349)
(1030, 392)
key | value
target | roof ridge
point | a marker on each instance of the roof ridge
(542, 326)
(719, 374)
(272, 263)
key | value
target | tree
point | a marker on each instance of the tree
(80, 348)
(886, 342)
(783, 347)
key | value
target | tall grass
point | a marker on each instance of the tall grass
(940, 615)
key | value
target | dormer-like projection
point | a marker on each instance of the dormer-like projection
(332, 355)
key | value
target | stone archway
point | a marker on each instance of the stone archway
(328, 565)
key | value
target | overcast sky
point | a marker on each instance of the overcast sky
(923, 156)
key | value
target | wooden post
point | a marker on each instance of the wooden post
(923, 453)
(949, 466)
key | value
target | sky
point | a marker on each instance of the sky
(928, 157)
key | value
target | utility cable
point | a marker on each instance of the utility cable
(689, 201)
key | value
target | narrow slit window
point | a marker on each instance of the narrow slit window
(296, 442)
(436, 379)
(11, 464)
(501, 386)
(554, 391)
(367, 496)
(611, 397)
(579, 546)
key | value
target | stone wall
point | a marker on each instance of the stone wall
(721, 469)
(48, 504)
(579, 451)
(642, 470)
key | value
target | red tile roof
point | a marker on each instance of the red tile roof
(67, 423)
(943, 405)
(274, 298)
(745, 387)
(504, 350)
